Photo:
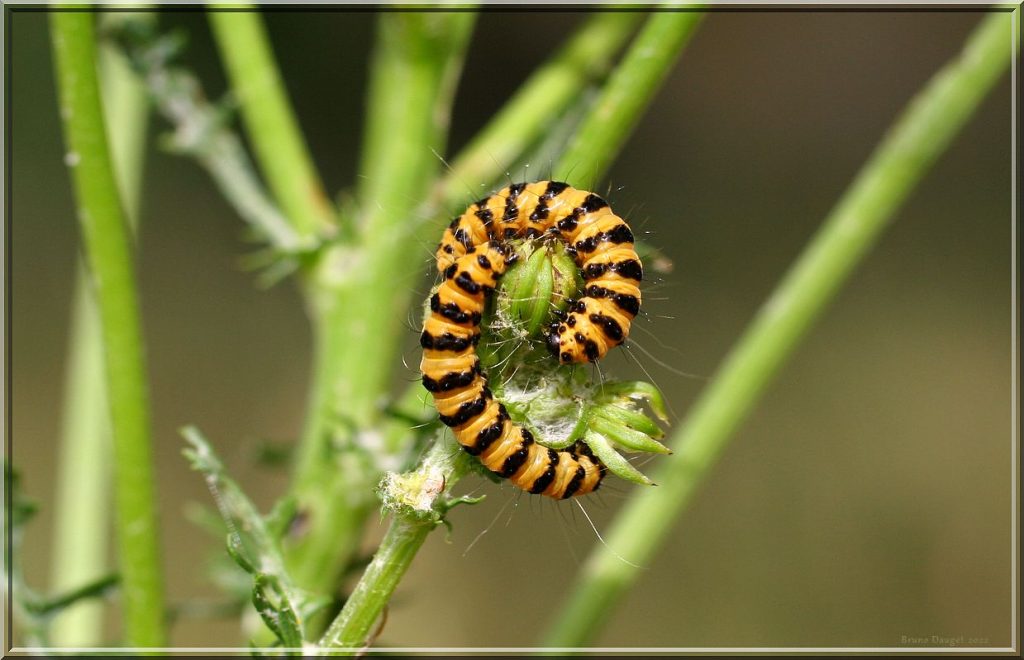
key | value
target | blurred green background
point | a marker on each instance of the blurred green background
(868, 497)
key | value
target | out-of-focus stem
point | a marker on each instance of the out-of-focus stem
(270, 121)
(547, 94)
(626, 95)
(922, 132)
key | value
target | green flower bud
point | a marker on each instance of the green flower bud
(543, 280)
(558, 403)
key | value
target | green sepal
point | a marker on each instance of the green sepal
(568, 280)
(633, 419)
(613, 460)
(449, 503)
(627, 437)
(639, 390)
(540, 307)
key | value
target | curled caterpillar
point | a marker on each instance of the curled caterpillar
(472, 256)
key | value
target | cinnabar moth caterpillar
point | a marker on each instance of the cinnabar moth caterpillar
(472, 256)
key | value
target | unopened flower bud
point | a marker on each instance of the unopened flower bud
(539, 284)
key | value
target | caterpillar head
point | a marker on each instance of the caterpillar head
(554, 344)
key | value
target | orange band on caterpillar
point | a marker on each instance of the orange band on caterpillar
(472, 256)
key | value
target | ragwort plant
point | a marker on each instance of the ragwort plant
(354, 256)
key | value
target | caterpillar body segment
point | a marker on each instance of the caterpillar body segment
(472, 257)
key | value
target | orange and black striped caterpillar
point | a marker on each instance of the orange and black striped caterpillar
(474, 253)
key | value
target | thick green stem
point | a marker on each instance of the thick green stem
(409, 102)
(109, 256)
(270, 122)
(82, 523)
(547, 94)
(625, 97)
(413, 75)
(921, 133)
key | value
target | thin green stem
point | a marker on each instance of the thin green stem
(270, 121)
(626, 95)
(403, 540)
(82, 521)
(413, 74)
(97, 587)
(546, 95)
(109, 256)
(922, 132)
(125, 105)
(419, 504)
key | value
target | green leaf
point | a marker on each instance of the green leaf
(639, 390)
(238, 552)
(280, 616)
(281, 517)
(252, 544)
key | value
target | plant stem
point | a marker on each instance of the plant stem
(126, 106)
(626, 95)
(109, 257)
(547, 94)
(398, 548)
(921, 133)
(82, 502)
(80, 528)
(425, 487)
(413, 75)
(95, 588)
(270, 121)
